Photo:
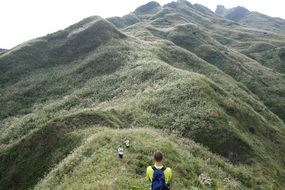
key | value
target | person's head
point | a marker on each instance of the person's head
(158, 156)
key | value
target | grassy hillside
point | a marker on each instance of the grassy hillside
(267, 54)
(68, 98)
(266, 46)
(93, 161)
(182, 24)
(189, 161)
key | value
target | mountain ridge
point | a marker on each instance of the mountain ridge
(252, 19)
(167, 70)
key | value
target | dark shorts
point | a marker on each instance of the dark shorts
(168, 187)
(121, 156)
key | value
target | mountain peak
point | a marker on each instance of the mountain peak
(180, 3)
(203, 9)
(221, 10)
(234, 14)
(251, 18)
(150, 7)
(241, 9)
(89, 36)
(184, 2)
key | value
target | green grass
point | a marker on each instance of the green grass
(95, 162)
(178, 73)
(146, 91)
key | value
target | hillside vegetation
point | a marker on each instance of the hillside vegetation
(187, 159)
(207, 91)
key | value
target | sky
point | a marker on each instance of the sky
(23, 20)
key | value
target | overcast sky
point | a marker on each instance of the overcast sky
(22, 20)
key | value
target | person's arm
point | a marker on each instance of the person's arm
(149, 173)
(168, 175)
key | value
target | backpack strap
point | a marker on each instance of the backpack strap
(154, 168)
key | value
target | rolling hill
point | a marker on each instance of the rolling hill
(205, 88)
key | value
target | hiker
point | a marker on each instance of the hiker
(127, 142)
(121, 151)
(158, 175)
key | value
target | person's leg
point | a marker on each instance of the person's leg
(167, 187)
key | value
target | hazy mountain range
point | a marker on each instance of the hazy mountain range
(205, 88)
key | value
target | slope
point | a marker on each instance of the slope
(188, 160)
(47, 59)
(196, 119)
(268, 50)
(80, 148)
(196, 31)
(139, 76)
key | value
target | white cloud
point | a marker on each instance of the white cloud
(24, 20)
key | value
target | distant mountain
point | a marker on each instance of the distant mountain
(251, 19)
(207, 89)
(148, 8)
(2, 50)
(264, 51)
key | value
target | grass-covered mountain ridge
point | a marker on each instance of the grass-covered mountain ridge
(205, 88)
